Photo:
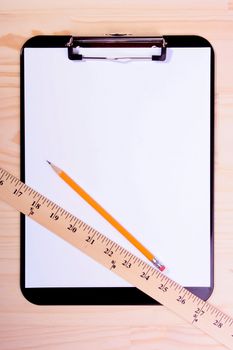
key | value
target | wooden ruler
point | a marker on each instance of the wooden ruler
(117, 259)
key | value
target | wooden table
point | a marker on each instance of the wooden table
(27, 326)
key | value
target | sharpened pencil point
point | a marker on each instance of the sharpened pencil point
(54, 167)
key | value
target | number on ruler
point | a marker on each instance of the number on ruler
(181, 299)
(163, 288)
(144, 275)
(218, 324)
(126, 264)
(90, 240)
(197, 313)
(54, 216)
(35, 205)
(17, 193)
(72, 228)
(108, 252)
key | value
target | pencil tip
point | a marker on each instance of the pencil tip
(48, 162)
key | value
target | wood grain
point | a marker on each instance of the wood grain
(27, 326)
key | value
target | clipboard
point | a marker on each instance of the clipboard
(132, 119)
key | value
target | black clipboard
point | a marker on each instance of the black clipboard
(73, 46)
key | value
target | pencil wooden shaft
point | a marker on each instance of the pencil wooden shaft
(104, 213)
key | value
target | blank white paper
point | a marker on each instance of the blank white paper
(136, 136)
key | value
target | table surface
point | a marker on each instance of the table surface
(27, 326)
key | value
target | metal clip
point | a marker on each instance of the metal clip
(116, 40)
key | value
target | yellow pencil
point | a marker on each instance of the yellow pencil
(107, 216)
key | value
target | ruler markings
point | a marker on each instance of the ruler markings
(152, 282)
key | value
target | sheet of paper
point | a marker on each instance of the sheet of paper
(136, 136)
